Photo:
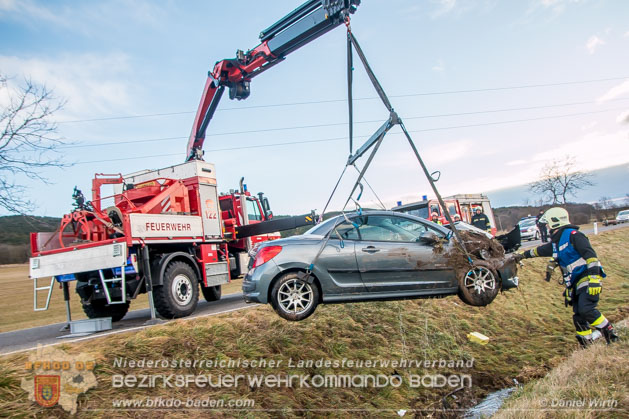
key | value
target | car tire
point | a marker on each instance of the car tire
(179, 293)
(536, 236)
(293, 298)
(99, 309)
(211, 293)
(479, 285)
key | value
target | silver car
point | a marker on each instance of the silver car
(622, 217)
(376, 255)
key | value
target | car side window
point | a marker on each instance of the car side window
(390, 228)
(345, 231)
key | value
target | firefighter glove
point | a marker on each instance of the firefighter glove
(567, 297)
(594, 287)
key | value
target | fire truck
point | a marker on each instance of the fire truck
(169, 233)
(463, 205)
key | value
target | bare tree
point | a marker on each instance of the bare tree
(29, 141)
(559, 180)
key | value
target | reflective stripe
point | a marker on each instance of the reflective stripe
(535, 252)
(600, 322)
(577, 263)
(582, 284)
(593, 264)
(586, 333)
(563, 246)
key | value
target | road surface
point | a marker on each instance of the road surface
(25, 339)
(588, 231)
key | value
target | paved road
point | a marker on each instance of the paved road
(588, 231)
(21, 340)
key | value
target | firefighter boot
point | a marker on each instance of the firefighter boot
(609, 333)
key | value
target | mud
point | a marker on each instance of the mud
(480, 248)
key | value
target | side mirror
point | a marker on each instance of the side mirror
(429, 237)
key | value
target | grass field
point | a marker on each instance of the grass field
(530, 331)
(16, 300)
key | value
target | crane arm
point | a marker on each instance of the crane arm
(304, 24)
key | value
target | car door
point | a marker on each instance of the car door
(393, 259)
(338, 262)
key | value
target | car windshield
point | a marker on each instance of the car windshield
(625, 212)
(527, 223)
(323, 228)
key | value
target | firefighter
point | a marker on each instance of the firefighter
(541, 226)
(434, 217)
(582, 274)
(481, 221)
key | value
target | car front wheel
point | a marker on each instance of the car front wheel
(479, 285)
(293, 298)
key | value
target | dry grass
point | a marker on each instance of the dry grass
(599, 374)
(16, 300)
(531, 332)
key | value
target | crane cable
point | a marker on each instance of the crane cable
(393, 120)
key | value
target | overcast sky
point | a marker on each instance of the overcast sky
(490, 90)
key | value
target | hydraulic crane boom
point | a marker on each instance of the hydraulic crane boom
(304, 24)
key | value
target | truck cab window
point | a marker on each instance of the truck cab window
(253, 212)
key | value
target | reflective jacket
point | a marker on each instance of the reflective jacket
(573, 265)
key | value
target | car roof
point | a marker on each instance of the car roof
(393, 213)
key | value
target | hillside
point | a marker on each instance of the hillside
(17, 228)
(608, 182)
(530, 333)
(14, 239)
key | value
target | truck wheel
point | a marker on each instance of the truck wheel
(293, 298)
(211, 293)
(100, 309)
(479, 285)
(179, 294)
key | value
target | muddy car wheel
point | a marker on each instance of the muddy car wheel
(293, 298)
(479, 285)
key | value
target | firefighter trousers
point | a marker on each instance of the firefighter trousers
(586, 314)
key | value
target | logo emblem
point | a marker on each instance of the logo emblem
(47, 389)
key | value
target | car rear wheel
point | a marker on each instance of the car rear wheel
(479, 285)
(293, 298)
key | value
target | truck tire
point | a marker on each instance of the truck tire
(179, 293)
(100, 309)
(293, 298)
(211, 293)
(479, 285)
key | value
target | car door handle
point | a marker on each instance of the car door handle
(370, 249)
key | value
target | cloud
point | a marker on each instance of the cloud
(444, 7)
(517, 162)
(90, 83)
(439, 67)
(589, 126)
(86, 18)
(593, 43)
(616, 91)
(626, 35)
(623, 118)
(557, 6)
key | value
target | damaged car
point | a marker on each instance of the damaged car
(375, 255)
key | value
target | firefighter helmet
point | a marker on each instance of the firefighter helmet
(555, 218)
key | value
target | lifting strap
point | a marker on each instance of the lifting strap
(376, 140)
